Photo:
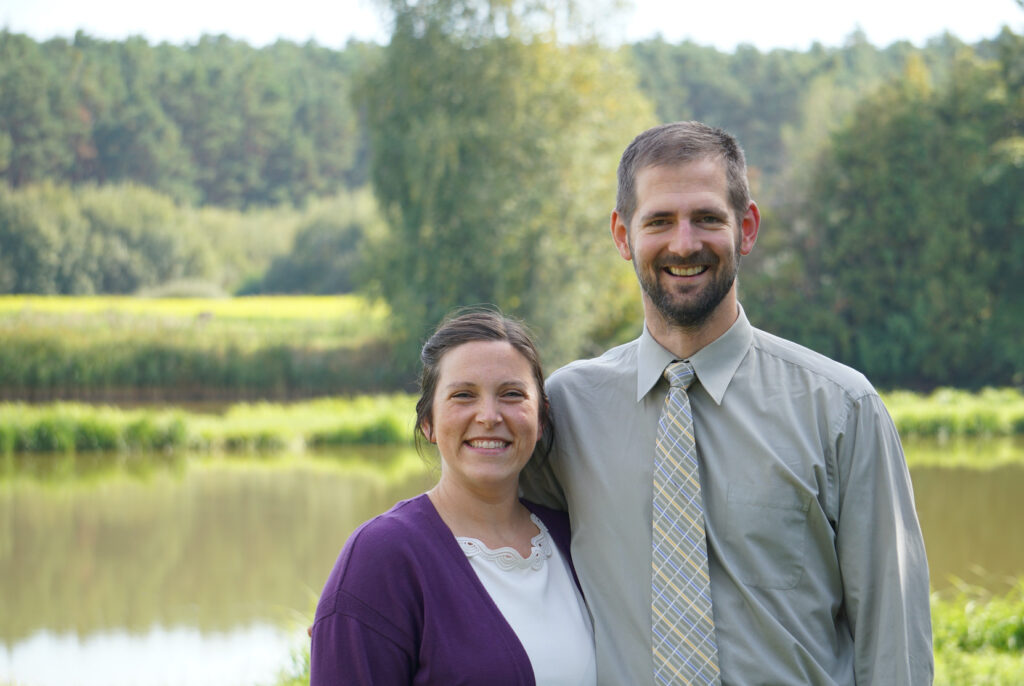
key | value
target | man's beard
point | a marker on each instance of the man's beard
(691, 312)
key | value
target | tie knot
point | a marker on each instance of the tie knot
(679, 374)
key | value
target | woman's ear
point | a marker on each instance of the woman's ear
(427, 431)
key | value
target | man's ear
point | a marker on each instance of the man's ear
(749, 226)
(620, 234)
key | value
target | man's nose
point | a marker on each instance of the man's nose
(685, 239)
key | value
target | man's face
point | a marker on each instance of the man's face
(685, 242)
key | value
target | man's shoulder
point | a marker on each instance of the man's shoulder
(813, 363)
(616, 363)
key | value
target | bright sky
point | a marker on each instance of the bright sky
(723, 24)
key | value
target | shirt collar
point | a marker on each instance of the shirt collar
(715, 364)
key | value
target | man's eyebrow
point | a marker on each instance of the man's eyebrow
(657, 214)
(711, 210)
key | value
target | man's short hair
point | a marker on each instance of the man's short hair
(679, 143)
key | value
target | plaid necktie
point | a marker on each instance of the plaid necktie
(682, 628)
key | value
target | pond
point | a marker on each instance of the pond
(209, 574)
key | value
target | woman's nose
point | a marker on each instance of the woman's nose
(489, 412)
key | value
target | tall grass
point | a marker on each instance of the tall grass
(125, 348)
(979, 638)
(243, 427)
(950, 413)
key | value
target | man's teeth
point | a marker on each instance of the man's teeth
(686, 271)
(488, 445)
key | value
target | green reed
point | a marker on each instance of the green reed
(950, 413)
(71, 428)
(979, 637)
(107, 347)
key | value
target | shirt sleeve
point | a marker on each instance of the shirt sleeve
(881, 552)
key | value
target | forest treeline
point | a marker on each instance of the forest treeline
(472, 160)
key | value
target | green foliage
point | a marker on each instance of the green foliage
(911, 267)
(327, 255)
(126, 239)
(297, 673)
(979, 638)
(243, 428)
(485, 136)
(134, 349)
(950, 413)
(72, 428)
(217, 122)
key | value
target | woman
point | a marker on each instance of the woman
(464, 584)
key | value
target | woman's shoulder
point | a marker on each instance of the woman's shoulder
(387, 545)
(406, 524)
(376, 579)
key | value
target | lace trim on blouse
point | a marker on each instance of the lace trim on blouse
(508, 558)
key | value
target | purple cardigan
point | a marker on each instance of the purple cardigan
(403, 606)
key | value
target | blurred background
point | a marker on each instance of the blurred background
(225, 231)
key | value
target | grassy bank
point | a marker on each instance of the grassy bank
(979, 639)
(243, 427)
(949, 413)
(109, 348)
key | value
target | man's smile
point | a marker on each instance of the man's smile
(686, 271)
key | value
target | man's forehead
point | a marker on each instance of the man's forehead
(702, 177)
(705, 164)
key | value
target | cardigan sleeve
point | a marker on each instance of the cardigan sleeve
(369, 618)
(350, 647)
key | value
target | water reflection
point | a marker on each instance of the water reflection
(209, 573)
(972, 525)
(244, 656)
(211, 552)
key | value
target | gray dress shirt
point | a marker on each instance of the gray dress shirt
(818, 568)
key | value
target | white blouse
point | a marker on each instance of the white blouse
(541, 603)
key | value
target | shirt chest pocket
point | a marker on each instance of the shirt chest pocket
(765, 538)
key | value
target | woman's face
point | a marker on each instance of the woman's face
(485, 416)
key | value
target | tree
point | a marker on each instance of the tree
(493, 157)
(915, 251)
(37, 114)
(326, 256)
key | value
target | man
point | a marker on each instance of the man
(810, 539)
